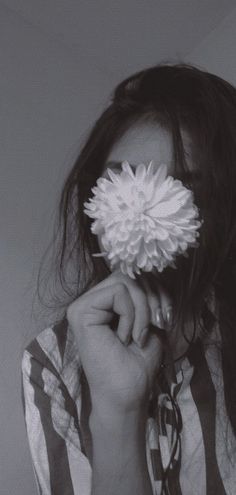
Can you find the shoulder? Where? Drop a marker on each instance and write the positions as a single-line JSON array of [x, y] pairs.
[[54, 354]]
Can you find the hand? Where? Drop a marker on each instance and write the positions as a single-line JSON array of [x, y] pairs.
[[119, 365]]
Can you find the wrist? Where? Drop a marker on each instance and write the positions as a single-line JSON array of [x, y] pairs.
[[106, 404], [119, 452], [109, 419], [106, 416]]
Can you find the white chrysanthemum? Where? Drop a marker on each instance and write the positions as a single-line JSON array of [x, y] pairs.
[[144, 218]]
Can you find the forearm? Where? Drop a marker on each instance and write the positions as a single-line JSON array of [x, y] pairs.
[[119, 454]]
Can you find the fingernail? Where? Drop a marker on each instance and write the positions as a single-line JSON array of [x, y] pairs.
[[142, 337], [169, 316], [159, 319], [127, 340]]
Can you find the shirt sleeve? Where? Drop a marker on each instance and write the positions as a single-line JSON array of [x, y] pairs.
[[51, 396]]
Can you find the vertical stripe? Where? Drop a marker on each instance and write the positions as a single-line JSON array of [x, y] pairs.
[[153, 456], [70, 406], [60, 330], [156, 484], [64, 425], [36, 438], [47, 340], [43, 361], [24, 397], [174, 479], [164, 444], [170, 426], [40, 492], [86, 407], [193, 470], [81, 473], [204, 395], [22, 388], [60, 479], [157, 469], [72, 367], [225, 438], [27, 425], [165, 450]]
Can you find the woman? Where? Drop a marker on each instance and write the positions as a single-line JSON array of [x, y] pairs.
[[134, 391]]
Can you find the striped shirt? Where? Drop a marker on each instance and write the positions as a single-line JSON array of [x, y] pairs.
[[202, 461]]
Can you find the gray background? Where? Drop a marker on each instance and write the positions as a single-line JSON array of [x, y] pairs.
[[59, 62]]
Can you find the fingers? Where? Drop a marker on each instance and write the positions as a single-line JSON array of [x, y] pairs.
[[117, 298], [160, 304], [123, 306], [154, 304], [134, 301], [152, 353], [141, 309], [94, 312], [166, 305]]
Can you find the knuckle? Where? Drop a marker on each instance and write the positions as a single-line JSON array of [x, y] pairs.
[[121, 288], [141, 295], [166, 301], [165, 297], [142, 304], [87, 321], [72, 311], [119, 276], [154, 301], [147, 313]]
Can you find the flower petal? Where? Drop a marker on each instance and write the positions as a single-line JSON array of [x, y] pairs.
[[166, 208], [127, 168], [114, 177], [160, 233], [145, 218], [140, 172], [161, 174]]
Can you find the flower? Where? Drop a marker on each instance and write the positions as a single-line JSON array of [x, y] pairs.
[[144, 218]]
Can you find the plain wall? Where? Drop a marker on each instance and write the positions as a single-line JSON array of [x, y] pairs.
[[48, 99], [217, 51]]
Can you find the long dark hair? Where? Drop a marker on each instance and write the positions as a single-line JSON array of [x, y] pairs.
[[179, 97]]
